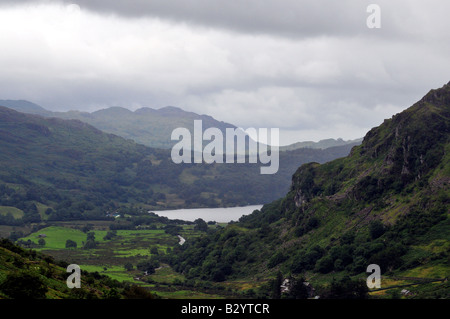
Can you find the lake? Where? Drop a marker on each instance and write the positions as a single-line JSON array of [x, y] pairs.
[[220, 215]]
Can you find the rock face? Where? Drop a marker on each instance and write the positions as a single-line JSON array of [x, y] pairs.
[[400, 151]]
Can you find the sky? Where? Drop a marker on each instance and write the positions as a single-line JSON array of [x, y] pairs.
[[313, 69]]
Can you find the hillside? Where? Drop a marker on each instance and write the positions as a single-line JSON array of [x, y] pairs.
[[386, 203], [66, 169], [27, 274], [52, 168]]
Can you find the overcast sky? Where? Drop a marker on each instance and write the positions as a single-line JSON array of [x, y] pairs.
[[311, 68]]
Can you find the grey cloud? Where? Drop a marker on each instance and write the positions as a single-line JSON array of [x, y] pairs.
[[310, 66], [291, 18]]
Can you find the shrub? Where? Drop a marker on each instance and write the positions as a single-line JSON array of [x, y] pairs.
[[71, 244], [23, 285]]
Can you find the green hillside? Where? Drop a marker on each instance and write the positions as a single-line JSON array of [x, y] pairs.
[[26, 274], [386, 203], [54, 169]]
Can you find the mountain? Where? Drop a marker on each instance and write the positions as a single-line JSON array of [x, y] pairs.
[[386, 203], [67, 168], [25, 107], [147, 126], [58, 169], [322, 144], [152, 127]]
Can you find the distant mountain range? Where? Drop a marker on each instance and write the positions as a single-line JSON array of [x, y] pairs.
[[151, 127], [322, 144], [146, 126], [58, 169]]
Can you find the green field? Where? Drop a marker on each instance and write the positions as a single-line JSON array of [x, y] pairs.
[[15, 212], [115, 272], [55, 237], [110, 256]]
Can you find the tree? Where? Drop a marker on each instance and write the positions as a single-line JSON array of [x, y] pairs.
[[221, 272], [23, 285], [276, 286], [128, 266], [90, 236], [325, 264], [41, 242], [276, 259], [346, 288], [200, 225], [71, 244], [110, 235], [137, 292], [31, 214], [90, 244], [112, 294], [148, 266], [90, 241], [298, 289], [376, 229]]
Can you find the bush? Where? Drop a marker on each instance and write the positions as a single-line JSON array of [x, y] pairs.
[[325, 265], [276, 259], [71, 244], [148, 266], [347, 289], [376, 229], [23, 285]]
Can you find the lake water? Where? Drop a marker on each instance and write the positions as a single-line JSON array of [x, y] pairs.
[[220, 215]]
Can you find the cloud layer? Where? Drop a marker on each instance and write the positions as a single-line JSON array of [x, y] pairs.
[[311, 68]]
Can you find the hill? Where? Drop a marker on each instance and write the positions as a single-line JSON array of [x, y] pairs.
[[322, 144], [153, 127], [25, 107], [147, 126], [386, 203], [27, 274], [66, 169]]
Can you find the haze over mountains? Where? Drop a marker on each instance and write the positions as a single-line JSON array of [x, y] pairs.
[[70, 169], [151, 127]]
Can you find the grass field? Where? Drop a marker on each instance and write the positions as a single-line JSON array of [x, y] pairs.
[[115, 272], [110, 256], [55, 237], [15, 212]]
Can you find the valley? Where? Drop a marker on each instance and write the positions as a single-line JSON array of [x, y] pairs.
[[83, 196]]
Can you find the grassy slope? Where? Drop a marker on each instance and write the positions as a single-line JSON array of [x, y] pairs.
[[53, 275]]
